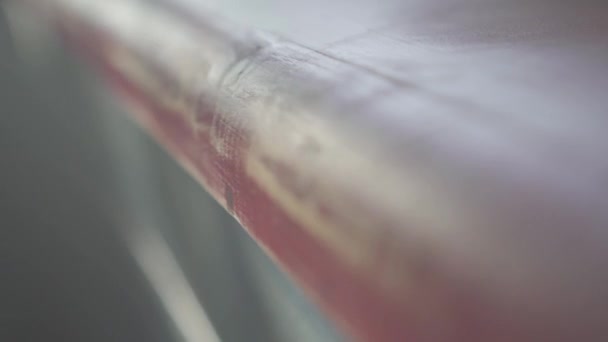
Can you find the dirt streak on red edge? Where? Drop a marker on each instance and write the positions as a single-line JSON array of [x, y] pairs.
[[349, 297]]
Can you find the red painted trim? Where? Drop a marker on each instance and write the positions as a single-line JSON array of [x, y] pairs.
[[350, 297], [377, 193]]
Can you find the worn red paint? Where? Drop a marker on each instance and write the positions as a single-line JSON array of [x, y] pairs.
[[481, 258], [350, 297]]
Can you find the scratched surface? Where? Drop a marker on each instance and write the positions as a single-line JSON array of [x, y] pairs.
[[425, 169]]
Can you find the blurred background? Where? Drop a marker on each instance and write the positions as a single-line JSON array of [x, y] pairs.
[[102, 236]]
